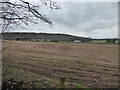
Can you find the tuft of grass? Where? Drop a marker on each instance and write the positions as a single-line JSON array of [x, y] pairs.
[[81, 87]]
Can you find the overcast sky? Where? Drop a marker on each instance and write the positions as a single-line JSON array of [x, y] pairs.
[[87, 19]]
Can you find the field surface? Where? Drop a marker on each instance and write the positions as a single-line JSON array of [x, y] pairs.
[[90, 65]]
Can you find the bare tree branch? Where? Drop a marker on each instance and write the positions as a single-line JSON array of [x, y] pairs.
[[22, 12]]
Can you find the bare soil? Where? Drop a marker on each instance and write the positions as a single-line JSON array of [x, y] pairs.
[[91, 65]]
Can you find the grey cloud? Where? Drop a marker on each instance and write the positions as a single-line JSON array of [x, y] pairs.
[[87, 19]]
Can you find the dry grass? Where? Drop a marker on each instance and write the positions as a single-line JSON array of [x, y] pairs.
[[91, 65]]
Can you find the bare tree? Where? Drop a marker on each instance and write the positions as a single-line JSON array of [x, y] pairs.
[[15, 14]]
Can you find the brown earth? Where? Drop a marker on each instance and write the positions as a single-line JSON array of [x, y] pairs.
[[91, 65]]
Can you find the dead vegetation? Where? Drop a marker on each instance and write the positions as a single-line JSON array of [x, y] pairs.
[[91, 65]]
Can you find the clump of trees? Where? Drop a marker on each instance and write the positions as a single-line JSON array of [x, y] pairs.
[[15, 14]]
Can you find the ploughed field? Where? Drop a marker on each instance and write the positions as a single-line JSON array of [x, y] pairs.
[[42, 64]]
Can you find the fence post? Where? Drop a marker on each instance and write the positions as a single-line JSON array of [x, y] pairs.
[[62, 83]]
